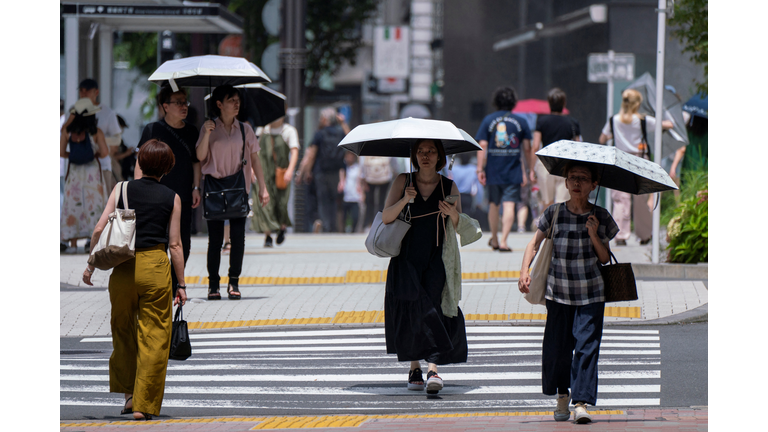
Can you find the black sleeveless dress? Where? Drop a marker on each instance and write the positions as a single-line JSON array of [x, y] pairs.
[[415, 327]]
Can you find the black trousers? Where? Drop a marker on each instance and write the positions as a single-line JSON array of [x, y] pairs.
[[328, 198], [374, 201], [215, 243], [185, 230], [570, 350]]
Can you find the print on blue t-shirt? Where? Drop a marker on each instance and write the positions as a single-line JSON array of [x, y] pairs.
[[504, 133]]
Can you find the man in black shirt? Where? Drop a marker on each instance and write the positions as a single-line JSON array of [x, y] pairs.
[[184, 178], [550, 128]]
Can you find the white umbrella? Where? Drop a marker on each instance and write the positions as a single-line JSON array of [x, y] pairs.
[[208, 71], [395, 138], [618, 170]]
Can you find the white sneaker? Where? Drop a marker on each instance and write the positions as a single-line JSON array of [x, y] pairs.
[[562, 413], [580, 413]]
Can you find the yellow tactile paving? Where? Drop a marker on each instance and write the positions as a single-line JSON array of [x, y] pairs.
[[306, 422], [352, 276], [370, 317]]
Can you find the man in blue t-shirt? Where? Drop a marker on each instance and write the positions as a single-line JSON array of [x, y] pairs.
[[501, 135]]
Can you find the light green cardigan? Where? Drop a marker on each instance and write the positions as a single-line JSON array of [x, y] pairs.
[[469, 231]]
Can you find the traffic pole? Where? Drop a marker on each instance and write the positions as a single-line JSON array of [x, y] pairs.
[[660, 43], [609, 109]]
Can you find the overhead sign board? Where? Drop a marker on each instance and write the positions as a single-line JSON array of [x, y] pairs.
[[601, 67], [391, 52]]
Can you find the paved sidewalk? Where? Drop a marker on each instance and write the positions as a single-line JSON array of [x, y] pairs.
[[330, 279], [660, 419]]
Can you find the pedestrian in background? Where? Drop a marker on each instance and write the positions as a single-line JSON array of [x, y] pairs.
[[628, 129], [416, 328], [501, 135], [220, 151], [376, 176], [140, 289], [350, 185], [184, 177], [106, 120], [321, 164], [575, 297], [279, 144], [82, 143], [550, 128]]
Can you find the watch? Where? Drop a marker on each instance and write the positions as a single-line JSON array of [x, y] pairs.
[[195, 188], [179, 286]]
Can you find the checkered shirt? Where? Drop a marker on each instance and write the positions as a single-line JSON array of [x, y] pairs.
[[574, 274]]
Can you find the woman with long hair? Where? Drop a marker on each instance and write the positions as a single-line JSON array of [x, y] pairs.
[[628, 130], [140, 289], [220, 149], [416, 328], [82, 144]]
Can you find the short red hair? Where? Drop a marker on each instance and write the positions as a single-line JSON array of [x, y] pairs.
[[156, 158]]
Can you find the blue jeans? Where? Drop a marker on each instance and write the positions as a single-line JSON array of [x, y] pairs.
[[570, 350]]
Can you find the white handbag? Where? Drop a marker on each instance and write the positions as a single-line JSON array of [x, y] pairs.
[[540, 268], [384, 240], [117, 242]]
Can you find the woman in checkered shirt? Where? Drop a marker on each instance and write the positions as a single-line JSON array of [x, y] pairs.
[[574, 298]]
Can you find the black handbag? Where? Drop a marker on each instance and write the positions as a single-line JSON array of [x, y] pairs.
[[618, 281], [226, 198], [181, 348]]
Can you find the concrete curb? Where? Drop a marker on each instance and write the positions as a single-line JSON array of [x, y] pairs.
[[700, 314], [671, 271]]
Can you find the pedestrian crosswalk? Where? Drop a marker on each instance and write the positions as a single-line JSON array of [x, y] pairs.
[[322, 371]]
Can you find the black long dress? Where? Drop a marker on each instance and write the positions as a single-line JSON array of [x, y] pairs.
[[415, 327]]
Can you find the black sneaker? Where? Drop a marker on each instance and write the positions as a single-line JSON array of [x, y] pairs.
[[415, 380], [280, 236], [268, 242], [434, 383]]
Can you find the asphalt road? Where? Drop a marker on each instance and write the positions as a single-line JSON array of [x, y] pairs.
[[320, 371]]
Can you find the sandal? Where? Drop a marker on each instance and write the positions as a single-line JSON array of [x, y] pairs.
[[144, 416], [127, 410], [213, 289], [226, 249], [280, 236], [415, 380], [232, 291], [494, 247]]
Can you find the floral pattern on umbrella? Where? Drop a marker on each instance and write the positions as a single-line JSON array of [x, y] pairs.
[[618, 170]]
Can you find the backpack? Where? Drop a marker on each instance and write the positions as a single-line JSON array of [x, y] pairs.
[[81, 153], [643, 146], [377, 170], [330, 156]]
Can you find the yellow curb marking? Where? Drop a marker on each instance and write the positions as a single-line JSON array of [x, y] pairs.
[[352, 276], [371, 317], [304, 422]]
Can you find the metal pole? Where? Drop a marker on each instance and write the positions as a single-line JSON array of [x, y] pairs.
[[609, 112], [660, 42], [72, 58]]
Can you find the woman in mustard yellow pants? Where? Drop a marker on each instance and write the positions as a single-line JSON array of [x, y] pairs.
[[140, 288]]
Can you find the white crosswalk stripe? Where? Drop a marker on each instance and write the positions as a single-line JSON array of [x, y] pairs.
[[324, 371]]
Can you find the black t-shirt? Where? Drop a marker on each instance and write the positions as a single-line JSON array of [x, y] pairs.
[[555, 127], [153, 204], [181, 177], [330, 157]]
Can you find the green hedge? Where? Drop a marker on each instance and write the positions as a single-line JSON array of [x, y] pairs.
[[688, 228]]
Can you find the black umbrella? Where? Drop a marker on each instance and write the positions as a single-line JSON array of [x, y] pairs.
[[261, 105]]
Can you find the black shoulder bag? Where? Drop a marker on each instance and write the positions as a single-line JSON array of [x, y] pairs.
[[226, 198], [181, 347]]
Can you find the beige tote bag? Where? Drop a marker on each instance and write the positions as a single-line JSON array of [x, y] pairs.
[[540, 268], [117, 242]]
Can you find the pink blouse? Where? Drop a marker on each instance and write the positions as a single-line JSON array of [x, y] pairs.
[[225, 151]]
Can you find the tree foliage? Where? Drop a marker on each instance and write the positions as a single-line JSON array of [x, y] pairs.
[[254, 33], [334, 34], [690, 18]]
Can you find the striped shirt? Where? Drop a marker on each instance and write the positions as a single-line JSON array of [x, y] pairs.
[[574, 274]]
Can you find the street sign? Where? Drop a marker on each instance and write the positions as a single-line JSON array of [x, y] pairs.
[[601, 67], [391, 52]]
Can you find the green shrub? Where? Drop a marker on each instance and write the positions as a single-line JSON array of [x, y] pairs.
[[688, 229]]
